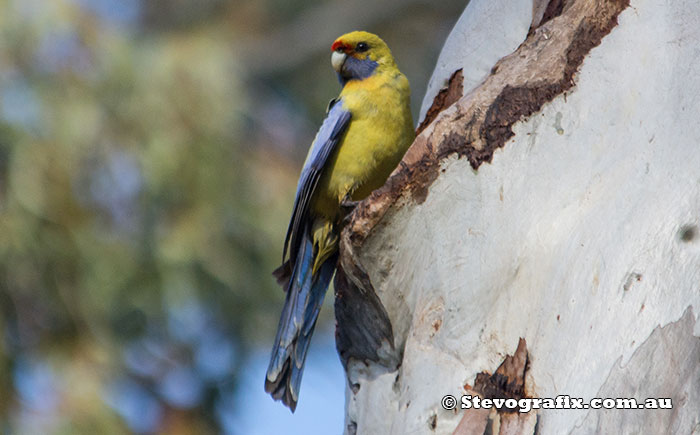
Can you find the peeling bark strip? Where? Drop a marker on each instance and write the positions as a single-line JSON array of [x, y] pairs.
[[444, 99], [482, 121], [664, 365], [363, 326], [509, 380], [511, 105]]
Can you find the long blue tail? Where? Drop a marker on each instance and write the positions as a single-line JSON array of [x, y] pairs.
[[305, 294]]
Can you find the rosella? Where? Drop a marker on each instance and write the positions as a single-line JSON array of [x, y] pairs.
[[364, 136]]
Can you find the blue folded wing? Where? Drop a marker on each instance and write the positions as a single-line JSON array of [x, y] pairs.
[[326, 141]]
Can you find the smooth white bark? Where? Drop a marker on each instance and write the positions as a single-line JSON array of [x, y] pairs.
[[581, 236]]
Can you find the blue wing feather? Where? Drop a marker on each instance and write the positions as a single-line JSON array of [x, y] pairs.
[[299, 315], [327, 138]]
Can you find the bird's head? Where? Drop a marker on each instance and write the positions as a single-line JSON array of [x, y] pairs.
[[356, 55]]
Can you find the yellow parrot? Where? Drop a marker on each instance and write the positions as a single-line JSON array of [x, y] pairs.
[[364, 136]]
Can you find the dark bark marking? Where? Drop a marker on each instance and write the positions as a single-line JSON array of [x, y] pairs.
[[432, 422], [444, 99], [511, 106], [553, 10], [426, 174], [687, 233], [509, 380]]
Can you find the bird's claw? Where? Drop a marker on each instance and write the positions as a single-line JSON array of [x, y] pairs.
[[347, 206]]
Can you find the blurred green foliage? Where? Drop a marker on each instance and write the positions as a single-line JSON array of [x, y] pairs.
[[148, 159]]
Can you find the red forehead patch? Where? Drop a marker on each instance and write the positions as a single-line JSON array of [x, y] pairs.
[[340, 45]]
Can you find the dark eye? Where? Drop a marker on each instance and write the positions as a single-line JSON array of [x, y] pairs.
[[361, 46]]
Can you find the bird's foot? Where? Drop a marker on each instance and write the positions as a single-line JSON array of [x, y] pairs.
[[347, 206]]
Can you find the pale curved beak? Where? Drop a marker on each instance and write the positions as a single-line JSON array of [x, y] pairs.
[[337, 60]]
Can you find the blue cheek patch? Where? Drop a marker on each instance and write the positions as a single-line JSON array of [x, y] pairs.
[[356, 69]]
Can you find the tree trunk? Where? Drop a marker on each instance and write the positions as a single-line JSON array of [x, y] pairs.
[[548, 210]]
